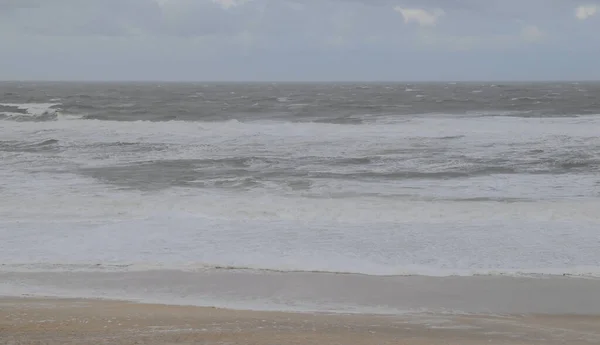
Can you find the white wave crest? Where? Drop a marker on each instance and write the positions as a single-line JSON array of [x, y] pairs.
[[30, 111], [25, 112]]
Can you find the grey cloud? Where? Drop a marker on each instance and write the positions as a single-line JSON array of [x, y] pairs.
[[274, 26], [69, 17], [294, 40], [193, 18], [199, 18], [123, 18], [280, 27], [14, 4]]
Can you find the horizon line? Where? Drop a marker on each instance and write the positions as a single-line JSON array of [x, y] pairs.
[[294, 81]]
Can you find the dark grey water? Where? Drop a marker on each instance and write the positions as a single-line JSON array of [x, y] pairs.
[[327, 103], [369, 178]]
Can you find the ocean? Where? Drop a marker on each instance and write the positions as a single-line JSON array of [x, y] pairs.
[[375, 179]]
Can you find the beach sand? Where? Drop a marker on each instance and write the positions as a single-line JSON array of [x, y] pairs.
[[47, 321]]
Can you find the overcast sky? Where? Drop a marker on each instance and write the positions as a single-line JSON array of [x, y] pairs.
[[304, 40]]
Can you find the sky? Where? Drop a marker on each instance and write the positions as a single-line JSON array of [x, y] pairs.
[[300, 40]]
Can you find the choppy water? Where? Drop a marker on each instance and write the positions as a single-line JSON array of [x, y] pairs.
[[383, 179]]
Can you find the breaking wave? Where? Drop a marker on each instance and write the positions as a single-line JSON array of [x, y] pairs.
[[34, 112]]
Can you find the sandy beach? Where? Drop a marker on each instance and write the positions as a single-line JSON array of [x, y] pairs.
[[78, 321]]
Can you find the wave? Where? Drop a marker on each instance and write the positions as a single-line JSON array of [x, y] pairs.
[[367, 114], [30, 108], [534, 114], [35, 112], [524, 99], [29, 111], [592, 272], [385, 124], [20, 146], [300, 173]]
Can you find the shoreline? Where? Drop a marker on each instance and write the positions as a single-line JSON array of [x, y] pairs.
[[579, 272], [221, 307], [54, 321], [316, 292]]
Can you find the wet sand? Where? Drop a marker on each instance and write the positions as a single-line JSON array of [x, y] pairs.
[[70, 321], [303, 291]]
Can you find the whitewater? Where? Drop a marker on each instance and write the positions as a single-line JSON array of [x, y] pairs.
[[442, 180]]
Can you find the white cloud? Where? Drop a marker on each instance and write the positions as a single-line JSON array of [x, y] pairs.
[[296, 6], [227, 4], [420, 16], [585, 11], [532, 33]]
